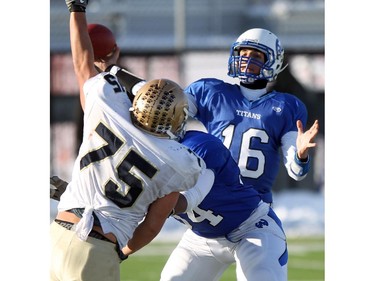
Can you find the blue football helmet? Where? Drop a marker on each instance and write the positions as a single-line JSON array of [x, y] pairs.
[[261, 40]]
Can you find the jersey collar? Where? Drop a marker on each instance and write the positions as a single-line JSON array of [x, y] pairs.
[[252, 95]]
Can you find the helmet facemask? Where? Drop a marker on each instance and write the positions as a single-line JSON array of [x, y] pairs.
[[160, 108]]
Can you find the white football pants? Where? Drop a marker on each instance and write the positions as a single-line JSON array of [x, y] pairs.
[[260, 253]]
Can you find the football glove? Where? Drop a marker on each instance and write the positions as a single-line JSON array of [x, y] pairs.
[[77, 5], [57, 187]]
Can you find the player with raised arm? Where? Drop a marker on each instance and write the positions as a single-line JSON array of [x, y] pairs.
[[219, 231], [127, 177], [252, 121]]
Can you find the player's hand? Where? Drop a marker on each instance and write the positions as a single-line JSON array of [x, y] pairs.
[[57, 187], [77, 5], [305, 140]]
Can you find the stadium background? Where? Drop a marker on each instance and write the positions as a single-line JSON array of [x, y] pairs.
[[184, 40]]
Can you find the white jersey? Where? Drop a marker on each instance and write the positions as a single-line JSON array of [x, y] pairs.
[[121, 170]]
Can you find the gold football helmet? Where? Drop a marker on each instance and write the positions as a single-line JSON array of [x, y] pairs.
[[160, 108]]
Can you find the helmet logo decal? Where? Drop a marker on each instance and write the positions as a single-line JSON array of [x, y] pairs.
[[279, 49]]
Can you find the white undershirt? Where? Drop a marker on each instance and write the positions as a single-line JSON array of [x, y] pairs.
[[251, 94]]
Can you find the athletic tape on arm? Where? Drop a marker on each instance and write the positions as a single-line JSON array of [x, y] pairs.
[[195, 195]]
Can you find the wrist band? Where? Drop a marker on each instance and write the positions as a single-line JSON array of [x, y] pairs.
[[300, 168]]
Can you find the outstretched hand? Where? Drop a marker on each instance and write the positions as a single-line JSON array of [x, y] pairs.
[[305, 140]]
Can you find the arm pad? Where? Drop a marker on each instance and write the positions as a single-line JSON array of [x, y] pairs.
[[126, 78], [195, 195]]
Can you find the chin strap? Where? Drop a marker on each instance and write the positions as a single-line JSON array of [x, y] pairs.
[[281, 70], [256, 85]]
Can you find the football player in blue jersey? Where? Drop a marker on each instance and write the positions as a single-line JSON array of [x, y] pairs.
[[252, 121], [231, 225]]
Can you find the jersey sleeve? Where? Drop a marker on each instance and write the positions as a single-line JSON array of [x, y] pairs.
[[215, 157], [296, 111], [194, 95], [199, 96]]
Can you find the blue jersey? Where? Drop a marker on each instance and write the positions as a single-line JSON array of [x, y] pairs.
[[229, 202], [252, 130]]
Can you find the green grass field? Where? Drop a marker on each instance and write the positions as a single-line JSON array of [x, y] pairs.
[[306, 261]]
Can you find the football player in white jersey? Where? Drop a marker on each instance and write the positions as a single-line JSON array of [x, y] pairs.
[[129, 170]]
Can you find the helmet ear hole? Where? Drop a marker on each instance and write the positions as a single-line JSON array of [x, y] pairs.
[[164, 111]]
